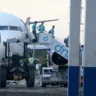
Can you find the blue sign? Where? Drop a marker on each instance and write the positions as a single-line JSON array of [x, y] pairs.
[[45, 38], [60, 49]]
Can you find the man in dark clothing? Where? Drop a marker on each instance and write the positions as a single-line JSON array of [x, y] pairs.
[[66, 41], [34, 31]]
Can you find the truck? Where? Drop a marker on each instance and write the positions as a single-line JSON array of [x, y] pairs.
[[51, 76]]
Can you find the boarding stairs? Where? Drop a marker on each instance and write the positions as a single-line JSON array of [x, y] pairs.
[[53, 43]]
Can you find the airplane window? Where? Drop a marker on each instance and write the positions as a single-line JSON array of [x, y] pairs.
[[13, 28], [3, 27], [20, 29]]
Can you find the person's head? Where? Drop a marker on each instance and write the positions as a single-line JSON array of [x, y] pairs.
[[42, 23], [53, 26], [82, 46], [35, 22]]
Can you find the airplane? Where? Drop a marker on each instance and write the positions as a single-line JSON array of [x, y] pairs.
[[13, 45]]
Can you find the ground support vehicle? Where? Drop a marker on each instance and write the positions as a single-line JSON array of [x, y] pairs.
[[51, 76], [15, 66]]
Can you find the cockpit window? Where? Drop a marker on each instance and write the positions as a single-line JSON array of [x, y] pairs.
[[3, 27], [13, 28], [20, 29]]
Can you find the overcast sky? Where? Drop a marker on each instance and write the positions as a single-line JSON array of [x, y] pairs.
[[42, 10]]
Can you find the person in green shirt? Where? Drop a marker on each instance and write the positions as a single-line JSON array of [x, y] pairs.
[[31, 59]]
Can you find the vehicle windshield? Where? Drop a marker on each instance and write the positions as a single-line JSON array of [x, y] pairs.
[[46, 71]]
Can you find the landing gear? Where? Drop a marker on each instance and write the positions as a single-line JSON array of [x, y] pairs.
[[3, 77]]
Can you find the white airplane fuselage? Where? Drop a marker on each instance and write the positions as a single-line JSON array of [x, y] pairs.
[[11, 27]]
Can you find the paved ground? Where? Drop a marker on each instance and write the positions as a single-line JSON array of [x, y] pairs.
[[22, 90], [36, 91]]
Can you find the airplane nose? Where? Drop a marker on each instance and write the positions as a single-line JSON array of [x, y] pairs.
[[9, 35]]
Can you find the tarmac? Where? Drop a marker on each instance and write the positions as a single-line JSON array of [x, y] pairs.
[[20, 89], [36, 91]]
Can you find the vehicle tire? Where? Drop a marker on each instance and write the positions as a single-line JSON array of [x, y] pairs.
[[81, 84], [3, 77], [43, 85], [65, 84], [31, 78]]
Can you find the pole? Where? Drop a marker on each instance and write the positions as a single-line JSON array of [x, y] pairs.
[[33, 50], [74, 48], [89, 88]]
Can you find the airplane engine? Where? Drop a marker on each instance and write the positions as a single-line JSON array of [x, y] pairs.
[[56, 59]]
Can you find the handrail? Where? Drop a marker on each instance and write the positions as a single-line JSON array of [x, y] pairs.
[[59, 39], [55, 37]]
